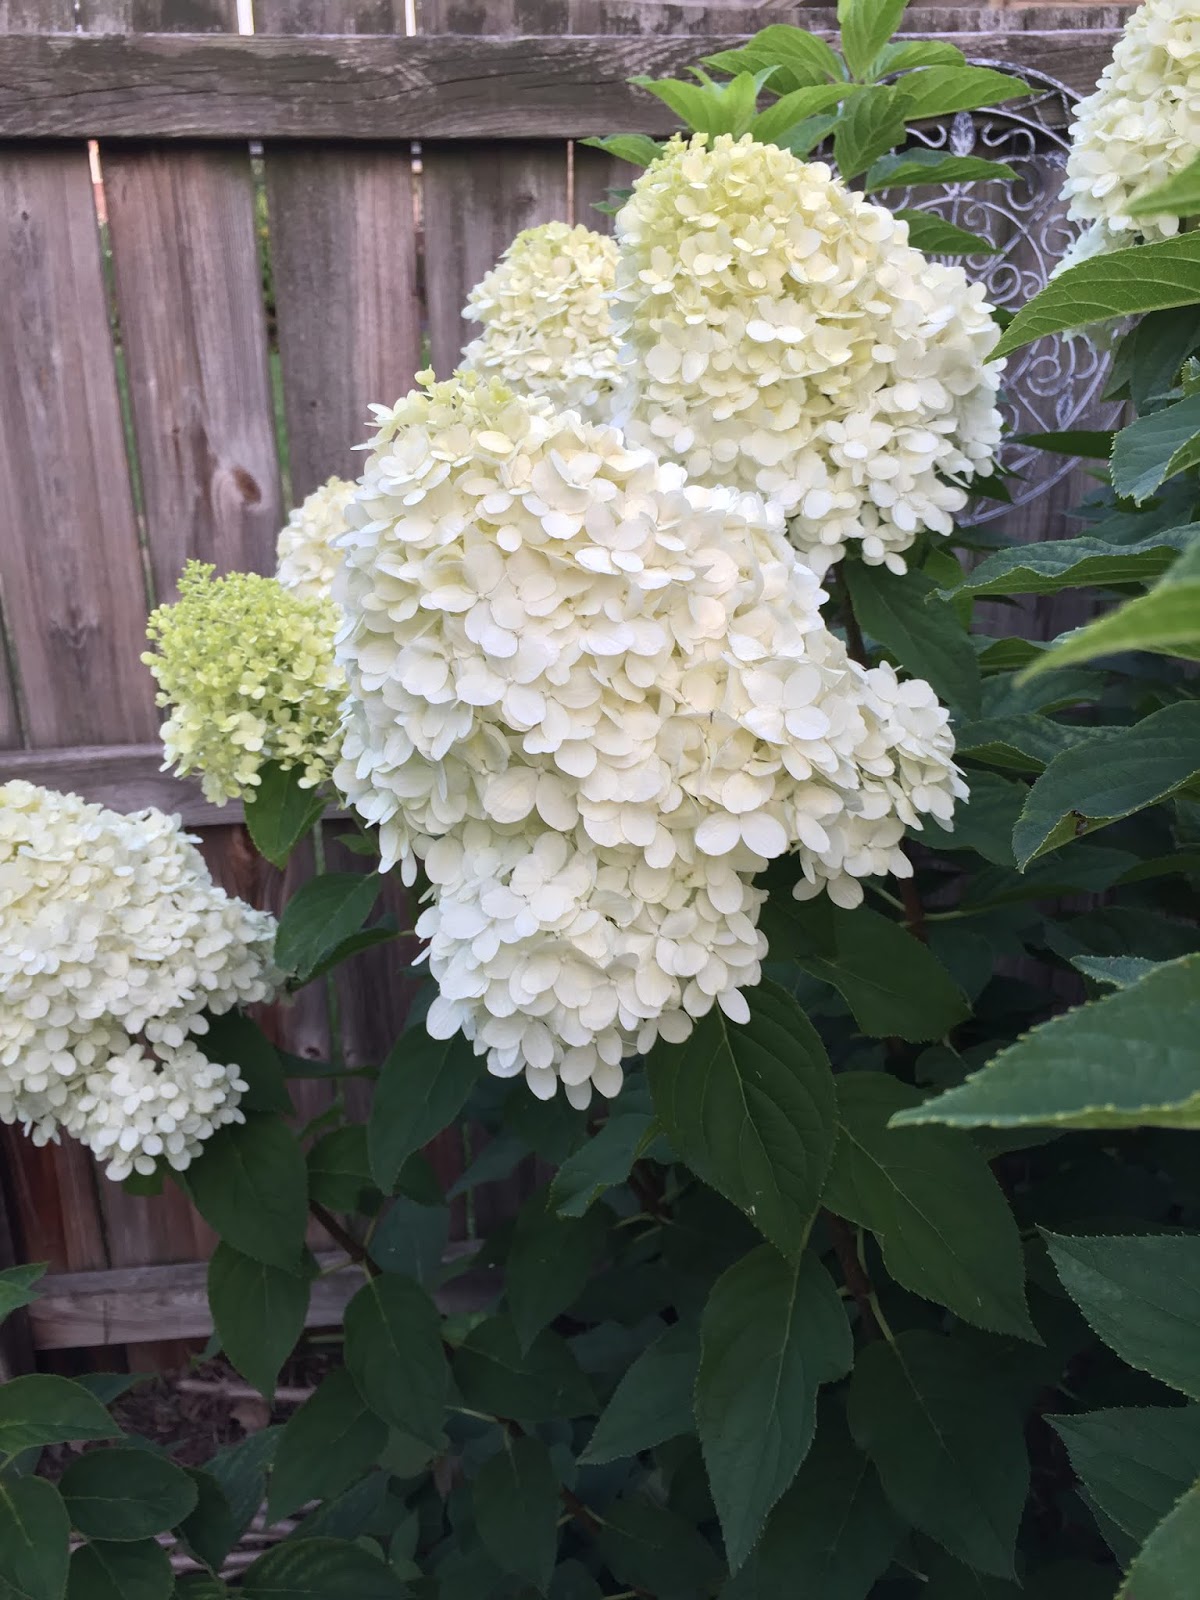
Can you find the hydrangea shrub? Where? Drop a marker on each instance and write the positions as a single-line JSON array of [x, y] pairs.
[[833, 950]]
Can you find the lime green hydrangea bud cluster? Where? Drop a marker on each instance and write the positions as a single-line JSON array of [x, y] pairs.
[[247, 668]]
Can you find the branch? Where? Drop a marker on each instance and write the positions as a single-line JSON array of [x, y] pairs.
[[342, 1236], [859, 1285]]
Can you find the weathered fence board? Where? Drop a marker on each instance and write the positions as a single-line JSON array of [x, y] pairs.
[[435, 86]]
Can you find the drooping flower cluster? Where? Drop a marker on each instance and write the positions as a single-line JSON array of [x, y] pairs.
[[1139, 128], [247, 668], [113, 941], [596, 700], [307, 559], [780, 334], [547, 326]]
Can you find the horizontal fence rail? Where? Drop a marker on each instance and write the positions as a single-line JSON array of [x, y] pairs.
[[439, 87]]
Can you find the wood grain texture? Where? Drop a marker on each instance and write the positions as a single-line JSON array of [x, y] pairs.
[[170, 1302], [344, 263], [70, 568], [186, 269], [124, 777], [436, 86], [329, 16]]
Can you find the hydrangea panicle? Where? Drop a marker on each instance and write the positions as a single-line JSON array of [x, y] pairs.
[[304, 550], [596, 699], [1140, 127], [780, 334], [113, 942], [547, 326], [248, 671]]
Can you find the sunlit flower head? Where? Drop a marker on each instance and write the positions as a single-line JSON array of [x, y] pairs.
[[113, 942], [547, 327], [596, 700], [306, 558], [1139, 128], [780, 334], [247, 670]]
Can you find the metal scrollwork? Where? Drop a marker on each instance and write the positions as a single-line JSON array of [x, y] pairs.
[[1055, 384]]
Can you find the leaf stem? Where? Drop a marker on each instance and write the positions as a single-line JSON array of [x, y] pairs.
[[342, 1236]]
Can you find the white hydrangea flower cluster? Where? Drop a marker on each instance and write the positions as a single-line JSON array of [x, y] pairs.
[[547, 326], [779, 334], [597, 699], [113, 940], [306, 557], [1139, 128]]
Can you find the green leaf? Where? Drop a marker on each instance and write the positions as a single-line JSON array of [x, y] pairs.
[[323, 913], [871, 123], [515, 1498], [1023, 743], [325, 1446], [411, 1239], [648, 1547], [34, 1535], [913, 168], [833, 1533], [1156, 447], [538, 1385], [937, 237], [1166, 1567], [339, 1170], [772, 1332], [796, 58], [636, 148], [1166, 621], [866, 26], [199, 1586], [548, 1263], [1148, 277], [1108, 778], [1120, 971], [653, 1401], [240, 1471], [1141, 1296], [124, 1495], [751, 1109], [279, 812], [423, 1085], [892, 983], [982, 823], [777, 121], [394, 1354], [945, 1434], [928, 1195], [939, 91], [320, 1569], [209, 1531], [43, 1409], [103, 1571], [250, 1184], [1136, 1462], [1179, 196], [904, 54], [602, 1163], [1068, 564], [1123, 1061], [1090, 444], [918, 630], [706, 106], [234, 1038], [17, 1287], [259, 1312]]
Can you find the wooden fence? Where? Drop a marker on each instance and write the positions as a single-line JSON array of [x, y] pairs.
[[275, 253]]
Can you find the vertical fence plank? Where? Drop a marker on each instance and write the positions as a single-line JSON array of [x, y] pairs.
[[193, 328], [343, 243], [71, 576], [478, 196]]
